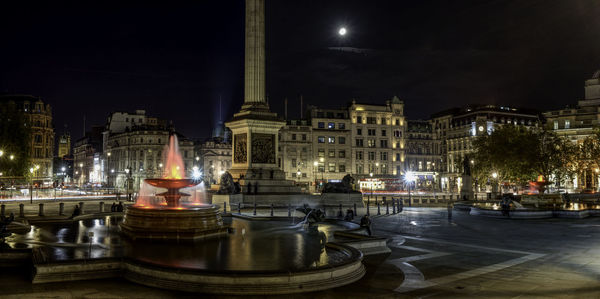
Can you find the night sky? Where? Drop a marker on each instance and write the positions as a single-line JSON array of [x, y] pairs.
[[175, 59]]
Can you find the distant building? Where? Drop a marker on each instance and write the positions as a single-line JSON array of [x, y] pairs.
[[87, 162], [39, 116], [457, 128], [296, 154], [64, 145], [577, 123], [422, 155], [213, 158], [133, 147]]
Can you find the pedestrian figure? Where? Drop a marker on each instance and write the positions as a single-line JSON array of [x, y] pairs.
[[249, 188], [365, 222], [113, 207], [400, 205], [120, 207], [256, 188], [450, 207], [349, 215], [76, 212]]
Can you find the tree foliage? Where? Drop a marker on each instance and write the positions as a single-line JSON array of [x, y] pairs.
[[518, 155], [15, 139]]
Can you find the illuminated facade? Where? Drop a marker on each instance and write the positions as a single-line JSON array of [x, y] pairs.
[[577, 123], [423, 157], [213, 158], [296, 154], [39, 116], [456, 129]]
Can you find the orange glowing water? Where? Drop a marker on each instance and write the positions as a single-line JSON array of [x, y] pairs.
[[174, 168]]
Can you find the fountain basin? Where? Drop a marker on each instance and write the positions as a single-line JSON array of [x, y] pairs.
[[173, 223]]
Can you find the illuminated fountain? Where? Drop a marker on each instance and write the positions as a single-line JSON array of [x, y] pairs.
[[171, 219]]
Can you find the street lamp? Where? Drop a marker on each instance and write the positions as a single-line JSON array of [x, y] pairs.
[[371, 194], [12, 157], [409, 177], [31, 186], [315, 164], [1, 153]]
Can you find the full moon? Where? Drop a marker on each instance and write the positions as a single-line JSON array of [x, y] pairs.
[[342, 31]]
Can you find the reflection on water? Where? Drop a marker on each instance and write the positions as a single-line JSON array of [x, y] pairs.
[[253, 245]]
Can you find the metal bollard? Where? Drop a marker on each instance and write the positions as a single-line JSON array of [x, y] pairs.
[[224, 207], [378, 209], [81, 207], [387, 208], [340, 213], [324, 211], [355, 209], [240, 208], [3, 210], [61, 209], [271, 210], [41, 210], [289, 210], [21, 210], [101, 207], [254, 209], [393, 206]]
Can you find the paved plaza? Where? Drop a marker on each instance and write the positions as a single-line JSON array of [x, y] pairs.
[[431, 256]]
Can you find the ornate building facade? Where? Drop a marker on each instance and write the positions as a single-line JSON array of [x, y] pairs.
[[577, 123], [39, 117], [456, 129], [422, 155]]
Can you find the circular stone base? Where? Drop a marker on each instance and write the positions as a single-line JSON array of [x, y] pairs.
[[193, 223], [328, 276]]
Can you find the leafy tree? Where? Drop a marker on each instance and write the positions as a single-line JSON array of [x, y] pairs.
[[15, 139]]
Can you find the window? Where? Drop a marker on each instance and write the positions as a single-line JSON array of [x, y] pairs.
[[331, 140], [38, 138], [321, 167], [567, 124], [383, 143], [331, 126], [384, 169], [359, 143], [342, 140], [294, 163], [342, 154], [420, 165], [384, 121], [293, 174], [321, 153], [397, 133], [303, 137], [556, 125], [321, 139], [331, 167], [359, 155], [383, 132], [331, 153], [342, 168], [397, 122], [371, 142], [372, 120], [372, 132], [359, 168], [397, 144], [304, 150], [359, 119], [359, 131], [293, 136], [397, 157], [371, 156], [320, 114], [341, 126], [304, 174], [321, 125], [384, 156]]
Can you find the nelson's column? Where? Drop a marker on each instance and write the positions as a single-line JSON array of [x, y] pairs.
[[255, 128]]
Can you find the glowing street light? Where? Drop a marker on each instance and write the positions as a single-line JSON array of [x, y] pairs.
[[1, 153], [342, 31], [409, 177], [12, 157], [495, 175], [62, 169]]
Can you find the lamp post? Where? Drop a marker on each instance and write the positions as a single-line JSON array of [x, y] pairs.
[[371, 194], [31, 185], [315, 165], [409, 177]]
